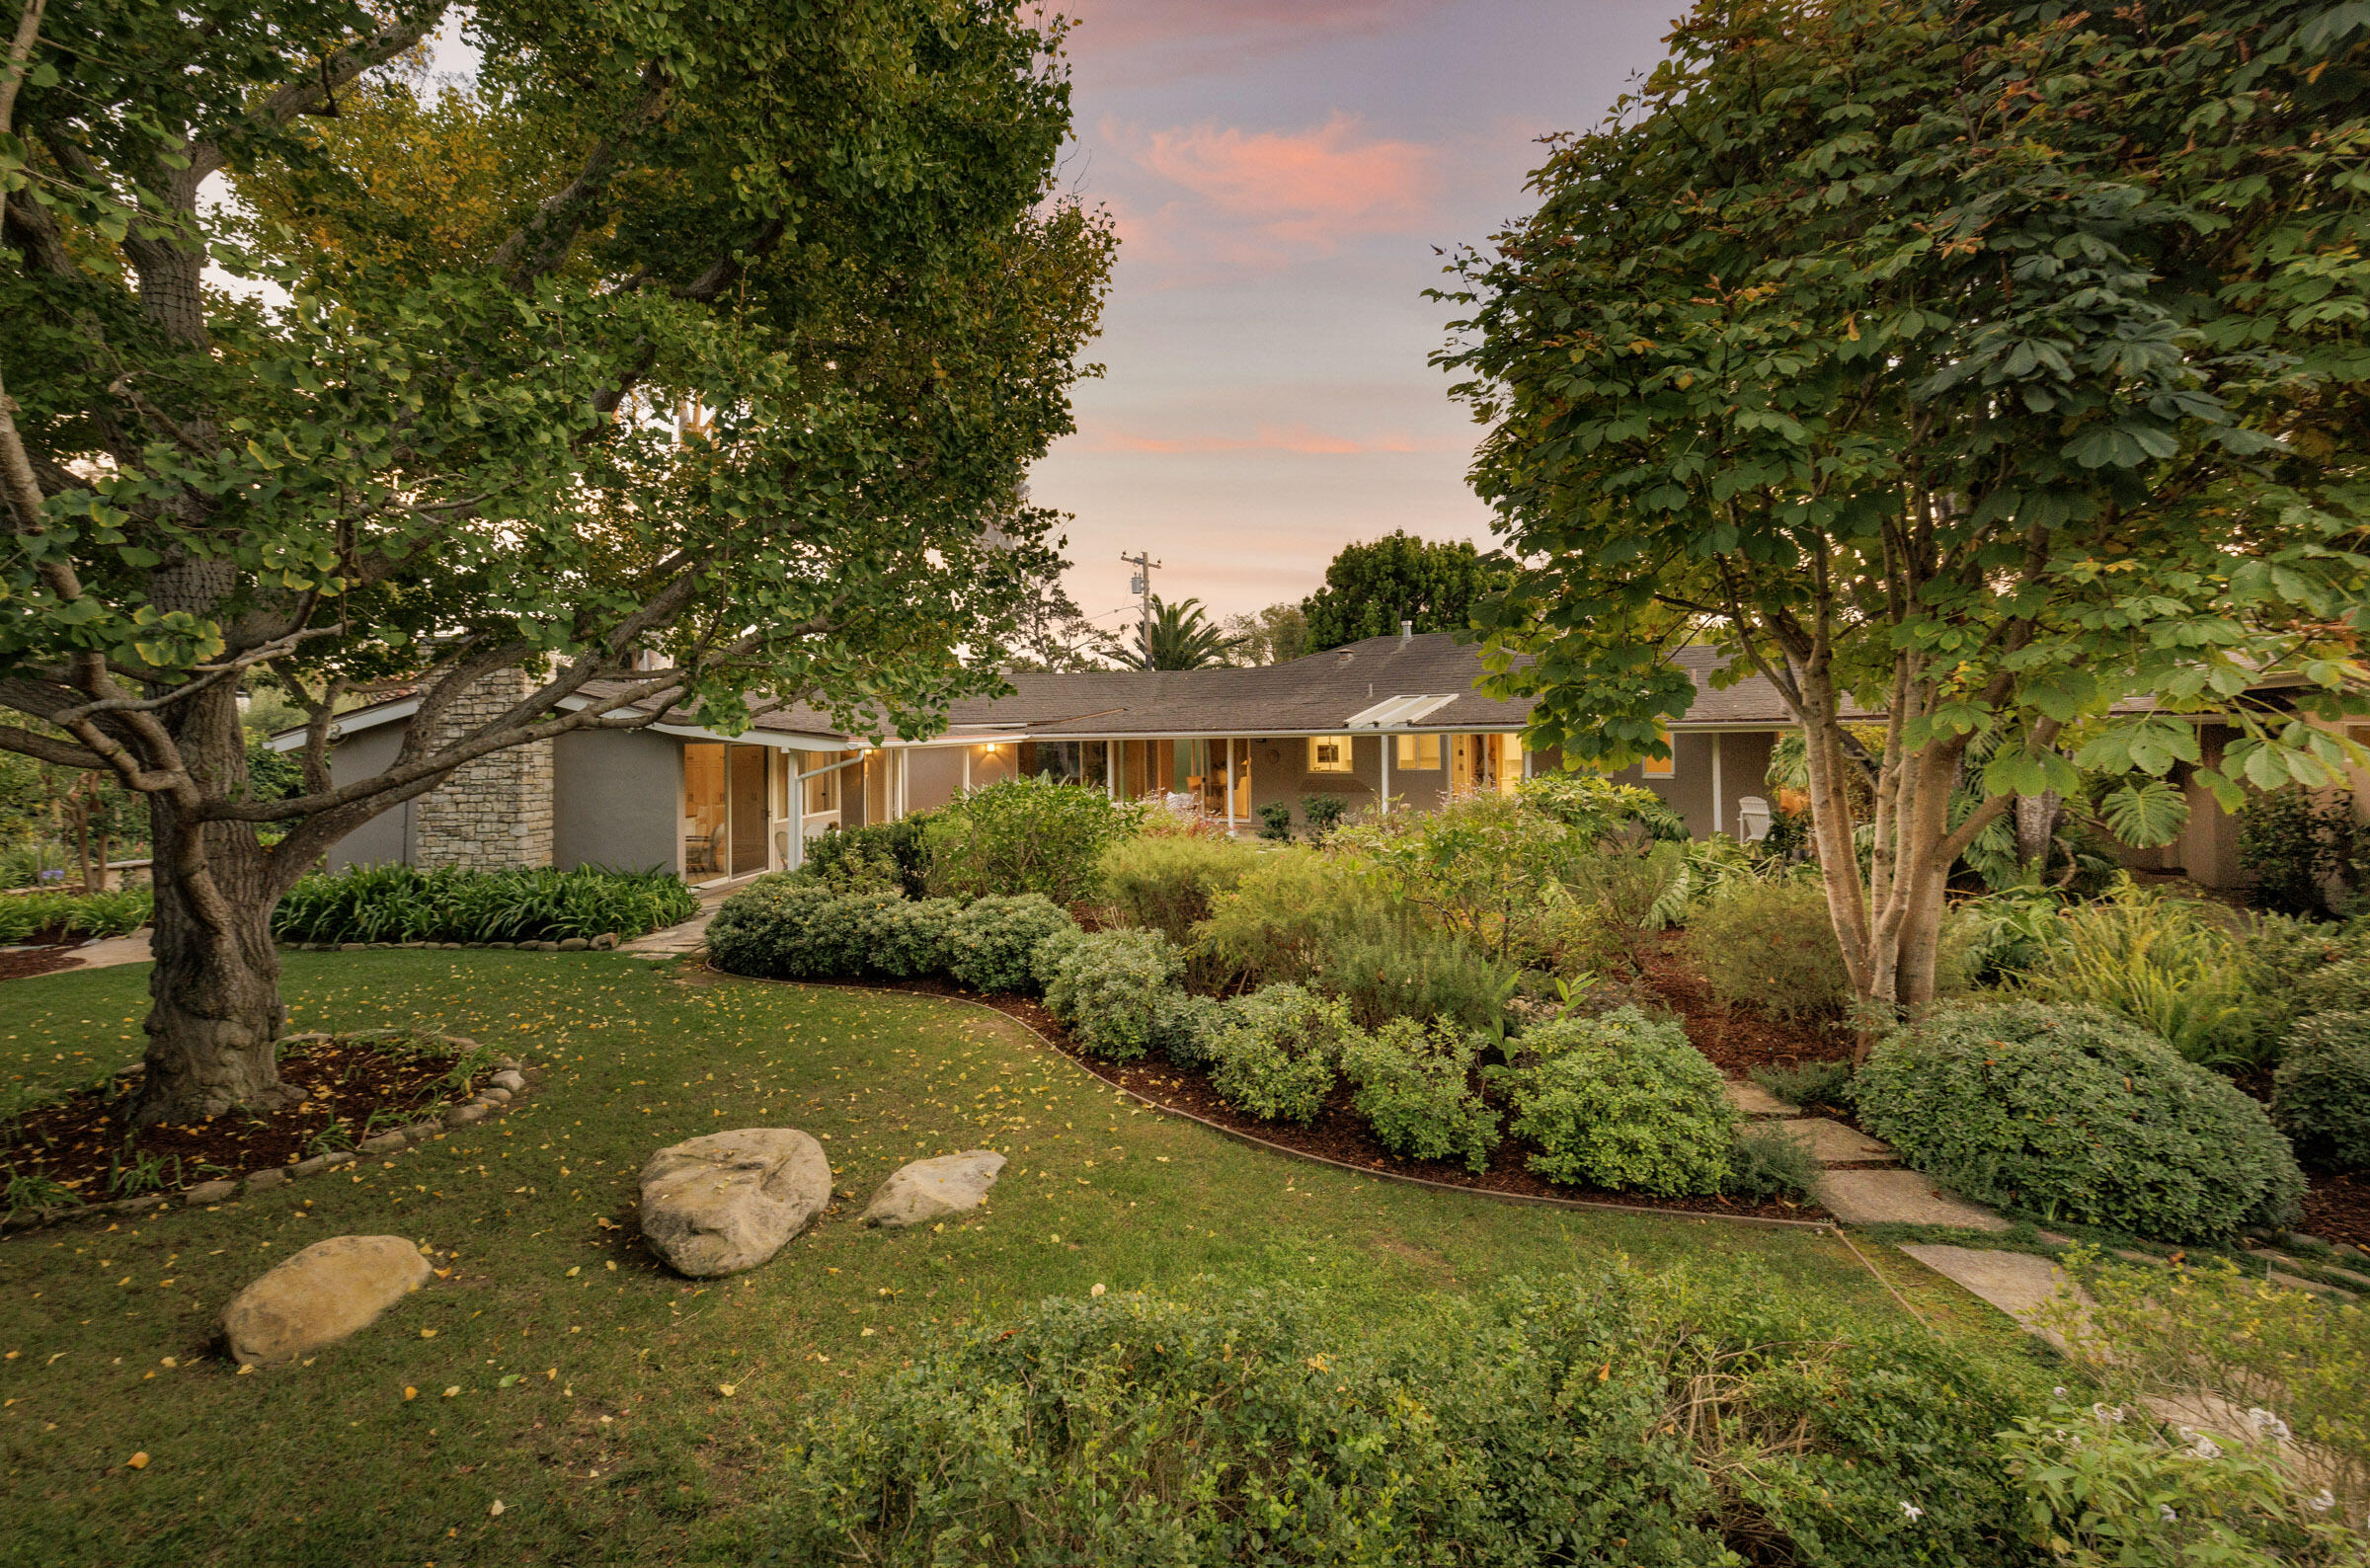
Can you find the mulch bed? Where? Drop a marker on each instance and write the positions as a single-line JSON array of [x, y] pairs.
[[44, 960], [1337, 1134], [78, 1143], [2338, 1211], [1737, 1041]]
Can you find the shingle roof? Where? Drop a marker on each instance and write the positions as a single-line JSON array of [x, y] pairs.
[[1318, 694]]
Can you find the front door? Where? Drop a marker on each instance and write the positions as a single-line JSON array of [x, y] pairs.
[[749, 816]]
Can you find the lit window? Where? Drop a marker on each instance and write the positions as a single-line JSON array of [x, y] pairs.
[[1659, 766], [1418, 754], [1328, 754]]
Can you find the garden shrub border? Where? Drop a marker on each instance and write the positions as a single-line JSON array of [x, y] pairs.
[[1088, 1066], [226, 1189]]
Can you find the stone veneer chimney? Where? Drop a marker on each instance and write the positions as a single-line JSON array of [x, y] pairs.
[[495, 813]]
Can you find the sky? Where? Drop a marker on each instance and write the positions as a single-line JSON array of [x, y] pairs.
[[1280, 173]]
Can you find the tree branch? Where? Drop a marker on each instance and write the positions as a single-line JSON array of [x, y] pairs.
[[338, 71]]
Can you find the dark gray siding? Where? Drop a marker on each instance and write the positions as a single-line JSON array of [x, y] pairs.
[[387, 837], [617, 799]]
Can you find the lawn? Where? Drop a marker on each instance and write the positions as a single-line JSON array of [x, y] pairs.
[[611, 1411]]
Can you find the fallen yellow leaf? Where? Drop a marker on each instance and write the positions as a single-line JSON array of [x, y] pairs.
[[409, 1392], [139, 1461]]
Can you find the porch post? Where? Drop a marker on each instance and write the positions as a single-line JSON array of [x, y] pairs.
[[1229, 783], [1111, 768], [797, 856], [1382, 740], [967, 770], [1718, 807]]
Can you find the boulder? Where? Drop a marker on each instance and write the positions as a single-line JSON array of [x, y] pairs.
[[574, 944], [730, 1200], [330, 1289], [931, 1189]]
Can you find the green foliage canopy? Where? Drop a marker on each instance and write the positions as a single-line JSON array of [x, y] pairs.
[[1371, 588]]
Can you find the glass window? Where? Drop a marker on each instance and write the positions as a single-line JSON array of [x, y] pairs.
[[1660, 766], [1418, 754], [1084, 762], [1328, 754]]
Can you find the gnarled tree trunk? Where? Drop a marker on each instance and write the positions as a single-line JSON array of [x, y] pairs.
[[215, 1013]]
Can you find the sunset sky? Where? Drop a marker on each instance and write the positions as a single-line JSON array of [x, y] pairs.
[[1281, 172]]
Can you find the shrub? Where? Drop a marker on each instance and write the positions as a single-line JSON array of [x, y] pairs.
[[1597, 806], [1321, 814], [1770, 944], [398, 903], [64, 915], [2209, 1337], [1025, 835], [786, 927], [2305, 857], [1167, 883], [1486, 867], [1622, 1101], [2321, 1094], [1826, 1083], [1275, 823], [1184, 1024], [2170, 965], [992, 945], [1764, 1162], [867, 859], [1106, 987], [1532, 1425], [1276, 1053], [1409, 972], [2073, 1113], [2002, 935], [1289, 913], [1415, 1087]]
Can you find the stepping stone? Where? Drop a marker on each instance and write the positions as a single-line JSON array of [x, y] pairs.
[[1898, 1197], [2016, 1282], [1832, 1143], [1754, 1100]]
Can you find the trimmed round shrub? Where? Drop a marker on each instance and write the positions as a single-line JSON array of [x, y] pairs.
[[1276, 1052], [1415, 1088], [1106, 987], [2321, 1095], [992, 945], [2072, 1112], [1623, 1102], [1184, 1024], [788, 927]]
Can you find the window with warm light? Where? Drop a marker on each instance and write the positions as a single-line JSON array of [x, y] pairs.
[[1660, 766], [1328, 754], [1418, 754]]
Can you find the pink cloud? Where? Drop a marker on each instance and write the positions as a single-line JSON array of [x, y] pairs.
[[1294, 192], [1295, 438]]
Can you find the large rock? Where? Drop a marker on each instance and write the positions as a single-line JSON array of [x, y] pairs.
[[730, 1200], [931, 1189], [330, 1289]]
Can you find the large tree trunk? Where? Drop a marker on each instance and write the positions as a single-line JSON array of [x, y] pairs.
[[2036, 828], [216, 1011]]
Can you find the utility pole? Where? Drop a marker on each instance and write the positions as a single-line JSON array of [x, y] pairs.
[[1140, 584]]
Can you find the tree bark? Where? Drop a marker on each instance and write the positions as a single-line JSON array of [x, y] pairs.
[[215, 1011], [2036, 828]]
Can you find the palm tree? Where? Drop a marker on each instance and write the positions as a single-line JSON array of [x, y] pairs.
[[1180, 637]]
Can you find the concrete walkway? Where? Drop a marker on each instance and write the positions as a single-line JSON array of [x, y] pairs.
[[691, 935], [1860, 1183]]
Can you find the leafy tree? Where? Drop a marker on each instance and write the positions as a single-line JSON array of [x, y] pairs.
[[713, 341], [1180, 637], [1997, 369], [1371, 588], [1275, 635], [1055, 634]]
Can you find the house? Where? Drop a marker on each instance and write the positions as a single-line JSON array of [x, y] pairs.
[[1394, 717]]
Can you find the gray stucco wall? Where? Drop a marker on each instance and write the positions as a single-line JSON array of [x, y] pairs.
[[617, 801], [388, 836]]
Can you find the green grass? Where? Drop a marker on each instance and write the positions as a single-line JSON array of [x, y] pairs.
[[614, 1442]]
